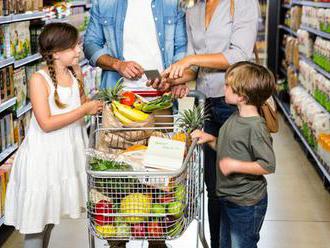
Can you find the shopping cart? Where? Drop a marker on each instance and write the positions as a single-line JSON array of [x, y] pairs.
[[138, 203]]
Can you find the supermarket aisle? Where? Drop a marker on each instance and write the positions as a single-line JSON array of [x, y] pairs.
[[298, 214]]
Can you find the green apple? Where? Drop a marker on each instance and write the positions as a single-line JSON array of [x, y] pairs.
[[158, 209], [180, 193], [175, 209]]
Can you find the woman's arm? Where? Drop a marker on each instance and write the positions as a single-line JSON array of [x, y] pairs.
[[39, 98]]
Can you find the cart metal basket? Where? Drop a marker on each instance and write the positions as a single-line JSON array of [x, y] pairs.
[[137, 202]]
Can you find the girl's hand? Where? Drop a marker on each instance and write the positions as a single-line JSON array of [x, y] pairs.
[[176, 70], [202, 137], [180, 91], [227, 166], [93, 107]]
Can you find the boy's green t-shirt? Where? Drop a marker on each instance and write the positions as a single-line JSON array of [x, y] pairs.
[[244, 139]]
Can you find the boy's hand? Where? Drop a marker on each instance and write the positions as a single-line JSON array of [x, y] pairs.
[[202, 137], [227, 166]]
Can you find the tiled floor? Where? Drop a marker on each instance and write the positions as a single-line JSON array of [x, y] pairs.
[[298, 215]]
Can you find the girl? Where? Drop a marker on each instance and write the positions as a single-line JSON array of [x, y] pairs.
[[48, 176]]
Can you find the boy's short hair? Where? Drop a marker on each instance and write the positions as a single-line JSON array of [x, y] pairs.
[[254, 82]]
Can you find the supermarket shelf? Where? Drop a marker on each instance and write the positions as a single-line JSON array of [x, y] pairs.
[[21, 17], [6, 62], [315, 66], [83, 62], [77, 3], [27, 60], [55, 20], [7, 104], [286, 110], [286, 6], [7, 152], [24, 110], [316, 32], [287, 29], [312, 4]]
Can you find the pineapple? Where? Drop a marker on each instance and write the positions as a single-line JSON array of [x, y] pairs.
[[111, 94], [190, 120]]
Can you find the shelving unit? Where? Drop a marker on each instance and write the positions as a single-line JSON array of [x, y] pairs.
[[315, 66], [316, 32], [7, 104], [274, 63], [21, 17], [311, 3], [2, 220], [286, 111], [24, 110], [7, 152], [6, 62], [83, 62], [27, 60]]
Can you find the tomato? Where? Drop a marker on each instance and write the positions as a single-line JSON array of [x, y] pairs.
[[138, 230], [155, 229], [127, 98], [103, 208]]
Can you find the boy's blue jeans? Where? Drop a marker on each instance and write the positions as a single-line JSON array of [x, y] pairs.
[[219, 112], [240, 225]]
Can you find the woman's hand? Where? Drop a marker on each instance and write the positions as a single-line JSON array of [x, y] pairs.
[[93, 107], [180, 91], [176, 70]]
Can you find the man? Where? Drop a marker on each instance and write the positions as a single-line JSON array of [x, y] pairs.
[[126, 37]]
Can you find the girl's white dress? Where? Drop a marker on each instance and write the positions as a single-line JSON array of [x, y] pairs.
[[48, 178]]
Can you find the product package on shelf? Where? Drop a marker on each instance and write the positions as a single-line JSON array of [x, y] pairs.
[[321, 53], [6, 83], [317, 18], [35, 30], [4, 41], [316, 84], [21, 126], [20, 40], [5, 170], [292, 51], [6, 131], [20, 85], [312, 119], [305, 43]]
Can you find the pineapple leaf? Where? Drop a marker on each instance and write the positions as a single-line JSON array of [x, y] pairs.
[[111, 94], [192, 119]]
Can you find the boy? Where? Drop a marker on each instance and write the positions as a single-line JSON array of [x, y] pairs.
[[244, 155]]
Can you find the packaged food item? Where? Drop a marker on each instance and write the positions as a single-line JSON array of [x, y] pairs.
[[20, 40]]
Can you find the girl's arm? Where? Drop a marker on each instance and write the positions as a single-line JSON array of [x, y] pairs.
[[39, 98]]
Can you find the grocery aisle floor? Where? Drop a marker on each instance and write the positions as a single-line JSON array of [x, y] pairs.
[[298, 215]]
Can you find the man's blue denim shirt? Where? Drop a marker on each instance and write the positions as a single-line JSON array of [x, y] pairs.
[[104, 33]]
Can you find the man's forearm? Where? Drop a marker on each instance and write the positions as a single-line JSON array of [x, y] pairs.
[[252, 168], [106, 62]]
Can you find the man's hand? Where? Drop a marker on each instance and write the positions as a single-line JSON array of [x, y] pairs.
[[129, 69], [228, 166]]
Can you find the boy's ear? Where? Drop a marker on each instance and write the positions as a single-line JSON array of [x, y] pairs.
[[242, 99]]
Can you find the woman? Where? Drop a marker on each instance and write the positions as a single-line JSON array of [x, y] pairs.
[[220, 33]]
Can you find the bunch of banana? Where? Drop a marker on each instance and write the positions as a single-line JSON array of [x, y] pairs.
[[126, 114], [164, 102]]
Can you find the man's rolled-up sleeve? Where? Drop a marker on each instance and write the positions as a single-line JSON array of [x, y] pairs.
[[180, 39]]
